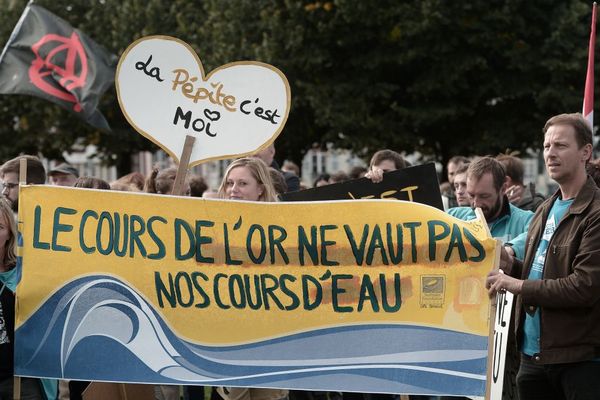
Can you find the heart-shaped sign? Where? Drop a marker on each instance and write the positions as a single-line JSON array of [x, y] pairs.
[[237, 109]]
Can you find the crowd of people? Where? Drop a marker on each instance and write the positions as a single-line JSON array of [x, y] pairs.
[[551, 257]]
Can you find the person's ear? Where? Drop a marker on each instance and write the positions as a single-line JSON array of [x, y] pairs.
[[506, 184], [587, 152]]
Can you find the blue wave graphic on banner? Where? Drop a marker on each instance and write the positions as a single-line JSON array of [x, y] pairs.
[[98, 328]]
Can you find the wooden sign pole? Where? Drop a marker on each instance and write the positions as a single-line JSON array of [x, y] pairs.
[[22, 181], [17, 388], [184, 161], [123, 391]]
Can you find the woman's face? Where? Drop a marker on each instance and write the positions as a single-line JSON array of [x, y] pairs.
[[4, 232], [241, 185]]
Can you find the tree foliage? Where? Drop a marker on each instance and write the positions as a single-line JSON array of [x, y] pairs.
[[440, 77]]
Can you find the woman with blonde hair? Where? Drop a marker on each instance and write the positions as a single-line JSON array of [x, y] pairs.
[[247, 179], [9, 277]]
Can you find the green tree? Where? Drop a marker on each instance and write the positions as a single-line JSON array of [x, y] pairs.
[[440, 77]]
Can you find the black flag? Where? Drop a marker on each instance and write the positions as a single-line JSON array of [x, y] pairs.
[[46, 57]]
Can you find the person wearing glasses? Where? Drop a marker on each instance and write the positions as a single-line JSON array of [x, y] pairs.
[[9, 177]]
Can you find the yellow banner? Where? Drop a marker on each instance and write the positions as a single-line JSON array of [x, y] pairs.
[[290, 267]]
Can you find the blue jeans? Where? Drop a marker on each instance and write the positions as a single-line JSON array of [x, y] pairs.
[[573, 381]]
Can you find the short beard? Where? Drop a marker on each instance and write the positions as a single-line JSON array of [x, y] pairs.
[[493, 213]]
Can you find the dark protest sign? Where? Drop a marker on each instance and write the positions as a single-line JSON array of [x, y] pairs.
[[419, 184]]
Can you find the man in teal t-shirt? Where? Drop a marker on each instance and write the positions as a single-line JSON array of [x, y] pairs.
[[531, 329], [557, 312]]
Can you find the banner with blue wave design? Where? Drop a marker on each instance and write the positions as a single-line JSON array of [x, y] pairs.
[[370, 296]]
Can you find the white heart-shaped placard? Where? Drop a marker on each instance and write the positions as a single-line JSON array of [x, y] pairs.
[[235, 110]]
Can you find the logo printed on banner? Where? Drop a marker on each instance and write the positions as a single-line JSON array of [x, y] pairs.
[[59, 57], [432, 291]]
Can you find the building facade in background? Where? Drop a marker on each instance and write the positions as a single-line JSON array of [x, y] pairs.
[[316, 161]]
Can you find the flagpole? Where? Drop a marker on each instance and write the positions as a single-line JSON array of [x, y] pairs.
[[588, 97], [15, 31]]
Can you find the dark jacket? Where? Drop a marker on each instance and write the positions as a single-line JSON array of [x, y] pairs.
[[291, 180], [569, 292], [7, 331]]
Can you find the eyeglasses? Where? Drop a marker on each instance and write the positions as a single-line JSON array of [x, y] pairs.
[[8, 186]]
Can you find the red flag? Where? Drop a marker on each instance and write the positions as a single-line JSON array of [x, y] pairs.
[[588, 97]]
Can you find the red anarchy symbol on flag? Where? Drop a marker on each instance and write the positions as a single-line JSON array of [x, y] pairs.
[[59, 57]]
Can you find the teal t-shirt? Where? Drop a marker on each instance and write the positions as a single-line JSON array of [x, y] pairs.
[[531, 328], [10, 279]]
